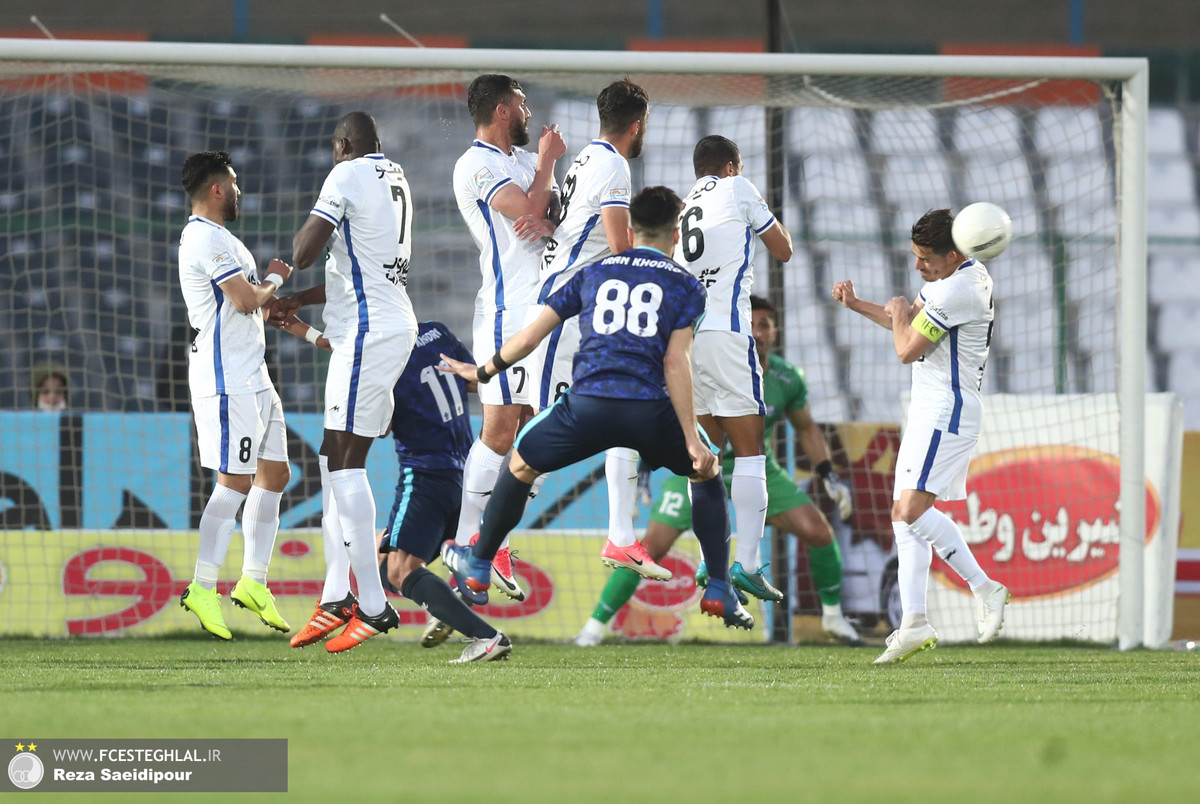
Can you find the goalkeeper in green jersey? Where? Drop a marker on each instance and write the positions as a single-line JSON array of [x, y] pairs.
[[788, 507]]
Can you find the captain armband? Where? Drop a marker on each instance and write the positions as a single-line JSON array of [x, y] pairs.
[[926, 326]]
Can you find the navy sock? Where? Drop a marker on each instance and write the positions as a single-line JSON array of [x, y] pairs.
[[710, 522], [425, 588], [502, 513]]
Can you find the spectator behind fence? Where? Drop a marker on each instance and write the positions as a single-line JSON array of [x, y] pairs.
[[48, 385]]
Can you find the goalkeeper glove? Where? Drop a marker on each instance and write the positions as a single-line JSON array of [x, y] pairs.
[[838, 491]]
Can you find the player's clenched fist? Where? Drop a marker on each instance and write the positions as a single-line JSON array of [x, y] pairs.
[[551, 143], [844, 292]]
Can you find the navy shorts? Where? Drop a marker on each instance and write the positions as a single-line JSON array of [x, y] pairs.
[[424, 514], [576, 427]]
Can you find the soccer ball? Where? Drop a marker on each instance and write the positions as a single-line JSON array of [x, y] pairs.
[[982, 230]]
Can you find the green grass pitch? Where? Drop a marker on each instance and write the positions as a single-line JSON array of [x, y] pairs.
[[390, 721]]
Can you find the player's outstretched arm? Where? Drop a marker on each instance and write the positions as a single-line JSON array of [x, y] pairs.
[[285, 307], [677, 371], [301, 329], [812, 440], [843, 292], [515, 348], [245, 297]]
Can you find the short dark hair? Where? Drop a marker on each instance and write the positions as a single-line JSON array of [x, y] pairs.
[[654, 211], [712, 153], [932, 231], [200, 169], [486, 93], [360, 129], [762, 303], [620, 104]]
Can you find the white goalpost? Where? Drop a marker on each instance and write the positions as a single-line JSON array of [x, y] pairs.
[[98, 503]]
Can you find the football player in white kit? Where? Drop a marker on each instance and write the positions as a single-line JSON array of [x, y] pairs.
[[239, 419], [364, 211], [595, 224], [722, 219], [946, 332], [496, 182]]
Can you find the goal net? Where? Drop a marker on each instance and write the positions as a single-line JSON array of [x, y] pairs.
[[99, 503]]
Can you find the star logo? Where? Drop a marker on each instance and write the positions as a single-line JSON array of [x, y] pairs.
[[32, 747], [20, 747]]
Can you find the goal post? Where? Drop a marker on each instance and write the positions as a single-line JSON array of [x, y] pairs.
[[903, 133]]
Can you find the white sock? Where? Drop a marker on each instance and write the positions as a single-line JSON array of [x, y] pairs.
[[914, 555], [260, 524], [620, 470], [356, 513], [337, 559], [594, 627], [748, 493], [216, 530], [480, 472], [831, 610], [940, 531]]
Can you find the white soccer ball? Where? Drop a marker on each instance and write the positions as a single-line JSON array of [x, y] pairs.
[[982, 230]]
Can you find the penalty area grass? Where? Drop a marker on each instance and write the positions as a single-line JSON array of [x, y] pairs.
[[391, 721]]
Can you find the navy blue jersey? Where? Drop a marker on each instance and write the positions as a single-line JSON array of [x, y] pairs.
[[432, 425], [628, 306]]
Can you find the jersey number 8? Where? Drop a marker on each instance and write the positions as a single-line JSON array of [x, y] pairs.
[[618, 307]]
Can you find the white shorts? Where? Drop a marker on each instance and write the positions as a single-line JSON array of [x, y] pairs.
[[363, 371], [935, 461], [235, 432], [551, 362], [726, 373], [489, 332]]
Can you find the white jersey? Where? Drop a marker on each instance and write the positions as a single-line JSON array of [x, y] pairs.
[[719, 229], [227, 353], [509, 265], [597, 179], [370, 205], [947, 378]]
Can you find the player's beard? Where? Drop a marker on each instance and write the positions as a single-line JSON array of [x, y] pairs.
[[635, 145], [519, 132], [231, 207]]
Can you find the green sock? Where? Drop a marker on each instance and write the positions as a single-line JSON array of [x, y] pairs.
[[826, 565], [620, 587]]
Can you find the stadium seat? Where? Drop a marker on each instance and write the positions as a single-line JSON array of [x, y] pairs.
[[1174, 275], [868, 266], [845, 222], [1023, 273], [1178, 327], [1170, 180], [1063, 131], [905, 131], [838, 176], [1165, 132], [1024, 325], [994, 130], [1173, 223], [820, 129], [1079, 178], [999, 178], [920, 180]]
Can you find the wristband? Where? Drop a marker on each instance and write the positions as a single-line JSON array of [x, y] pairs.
[[274, 279], [481, 374], [499, 362], [312, 334], [824, 469]]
